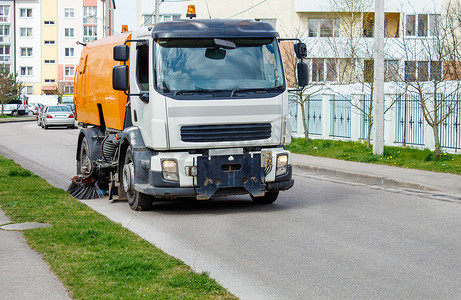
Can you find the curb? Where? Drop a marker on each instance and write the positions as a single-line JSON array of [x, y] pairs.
[[362, 178], [16, 120]]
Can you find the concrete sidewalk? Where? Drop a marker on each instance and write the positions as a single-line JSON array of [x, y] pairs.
[[23, 273], [381, 175]]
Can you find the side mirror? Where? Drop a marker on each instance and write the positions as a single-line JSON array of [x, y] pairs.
[[303, 74], [300, 50], [121, 53], [120, 78]]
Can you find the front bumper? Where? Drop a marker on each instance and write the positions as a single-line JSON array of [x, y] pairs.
[[225, 174]]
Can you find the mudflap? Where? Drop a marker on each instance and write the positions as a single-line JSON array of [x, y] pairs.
[[233, 171]]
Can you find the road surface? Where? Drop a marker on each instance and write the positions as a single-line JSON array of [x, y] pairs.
[[320, 240]]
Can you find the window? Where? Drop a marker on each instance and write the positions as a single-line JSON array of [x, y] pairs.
[[4, 13], [317, 69], [4, 33], [391, 70], [436, 70], [26, 71], [368, 24], [434, 25], [25, 32], [90, 33], [422, 25], [410, 71], [68, 89], [25, 52], [411, 25], [50, 42], [69, 71], [69, 52], [331, 69], [50, 61], [25, 12], [423, 70], [28, 90], [68, 12], [49, 22], [50, 80], [368, 70], [142, 69], [90, 15], [323, 27], [69, 32], [4, 53]]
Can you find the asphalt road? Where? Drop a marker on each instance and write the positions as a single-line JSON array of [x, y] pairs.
[[320, 240]]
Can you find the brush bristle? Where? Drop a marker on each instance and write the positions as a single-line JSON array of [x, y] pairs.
[[83, 189]]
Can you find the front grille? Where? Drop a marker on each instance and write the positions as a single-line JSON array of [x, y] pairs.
[[225, 133]]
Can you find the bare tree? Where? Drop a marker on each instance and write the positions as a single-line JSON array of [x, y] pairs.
[[301, 95], [432, 68], [356, 53]]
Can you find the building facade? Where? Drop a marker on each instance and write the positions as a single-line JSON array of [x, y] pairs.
[[46, 37]]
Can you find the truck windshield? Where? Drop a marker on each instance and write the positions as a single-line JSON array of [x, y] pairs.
[[202, 65]]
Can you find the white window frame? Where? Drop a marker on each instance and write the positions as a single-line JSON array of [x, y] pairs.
[[28, 32], [69, 71], [69, 52], [69, 32], [69, 13], [24, 13], [28, 71], [27, 51]]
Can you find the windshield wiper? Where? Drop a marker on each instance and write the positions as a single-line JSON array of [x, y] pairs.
[[253, 90]]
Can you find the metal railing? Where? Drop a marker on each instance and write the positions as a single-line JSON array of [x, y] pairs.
[[340, 116], [314, 114], [449, 130], [410, 120]]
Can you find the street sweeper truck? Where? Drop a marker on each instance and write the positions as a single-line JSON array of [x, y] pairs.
[[184, 109]]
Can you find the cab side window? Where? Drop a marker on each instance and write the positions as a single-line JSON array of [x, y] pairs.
[[142, 67]]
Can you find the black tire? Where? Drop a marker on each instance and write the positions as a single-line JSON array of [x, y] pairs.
[[268, 198], [137, 201], [84, 165], [45, 126]]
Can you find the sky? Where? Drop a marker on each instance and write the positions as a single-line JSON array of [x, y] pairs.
[[125, 14]]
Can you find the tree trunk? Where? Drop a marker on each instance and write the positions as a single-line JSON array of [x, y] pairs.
[[435, 129], [369, 133], [306, 130]]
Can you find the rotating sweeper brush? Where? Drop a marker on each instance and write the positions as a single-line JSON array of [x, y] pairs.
[[84, 188]]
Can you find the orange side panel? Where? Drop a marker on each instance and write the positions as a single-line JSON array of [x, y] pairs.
[[93, 84]]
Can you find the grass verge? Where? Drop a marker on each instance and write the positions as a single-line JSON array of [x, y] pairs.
[[394, 156], [94, 257]]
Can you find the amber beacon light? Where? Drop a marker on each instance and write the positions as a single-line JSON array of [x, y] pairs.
[[191, 12]]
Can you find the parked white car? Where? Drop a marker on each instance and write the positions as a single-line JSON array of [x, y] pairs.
[[58, 115]]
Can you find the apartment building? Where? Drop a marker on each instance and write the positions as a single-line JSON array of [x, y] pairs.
[[46, 36], [6, 33]]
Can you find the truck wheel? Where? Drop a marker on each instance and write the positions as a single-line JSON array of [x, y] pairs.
[[136, 200], [84, 166], [268, 198]]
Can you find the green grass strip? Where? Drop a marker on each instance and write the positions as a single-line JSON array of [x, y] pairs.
[[404, 157], [94, 257]]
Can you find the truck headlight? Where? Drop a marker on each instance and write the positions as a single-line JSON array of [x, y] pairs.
[[282, 164], [170, 169]]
